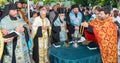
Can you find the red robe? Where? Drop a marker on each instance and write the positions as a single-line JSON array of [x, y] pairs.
[[106, 36], [89, 36]]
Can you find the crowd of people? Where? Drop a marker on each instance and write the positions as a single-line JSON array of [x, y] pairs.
[[21, 37]]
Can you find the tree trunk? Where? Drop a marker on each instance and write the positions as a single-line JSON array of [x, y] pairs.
[[118, 4]]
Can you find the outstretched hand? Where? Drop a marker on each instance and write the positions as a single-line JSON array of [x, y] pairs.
[[20, 29], [84, 24], [8, 39]]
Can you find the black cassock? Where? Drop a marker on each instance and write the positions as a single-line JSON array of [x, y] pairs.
[[35, 42]]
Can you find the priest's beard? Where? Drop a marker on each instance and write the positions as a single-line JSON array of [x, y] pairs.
[[102, 17], [62, 18], [19, 8]]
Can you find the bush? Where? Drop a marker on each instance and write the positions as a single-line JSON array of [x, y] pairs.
[[2, 3]]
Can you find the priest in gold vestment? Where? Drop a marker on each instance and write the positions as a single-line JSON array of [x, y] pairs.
[[40, 33]]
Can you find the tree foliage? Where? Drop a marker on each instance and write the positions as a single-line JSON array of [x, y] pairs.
[[2, 2], [97, 2]]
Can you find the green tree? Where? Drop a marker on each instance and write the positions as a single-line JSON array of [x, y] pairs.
[[98, 2], [2, 2], [118, 3], [87, 2]]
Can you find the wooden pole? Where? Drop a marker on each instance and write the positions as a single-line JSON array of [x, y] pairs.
[[28, 9]]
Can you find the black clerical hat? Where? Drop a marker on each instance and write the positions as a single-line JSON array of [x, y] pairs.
[[7, 8], [61, 10], [12, 6], [74, 6]]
